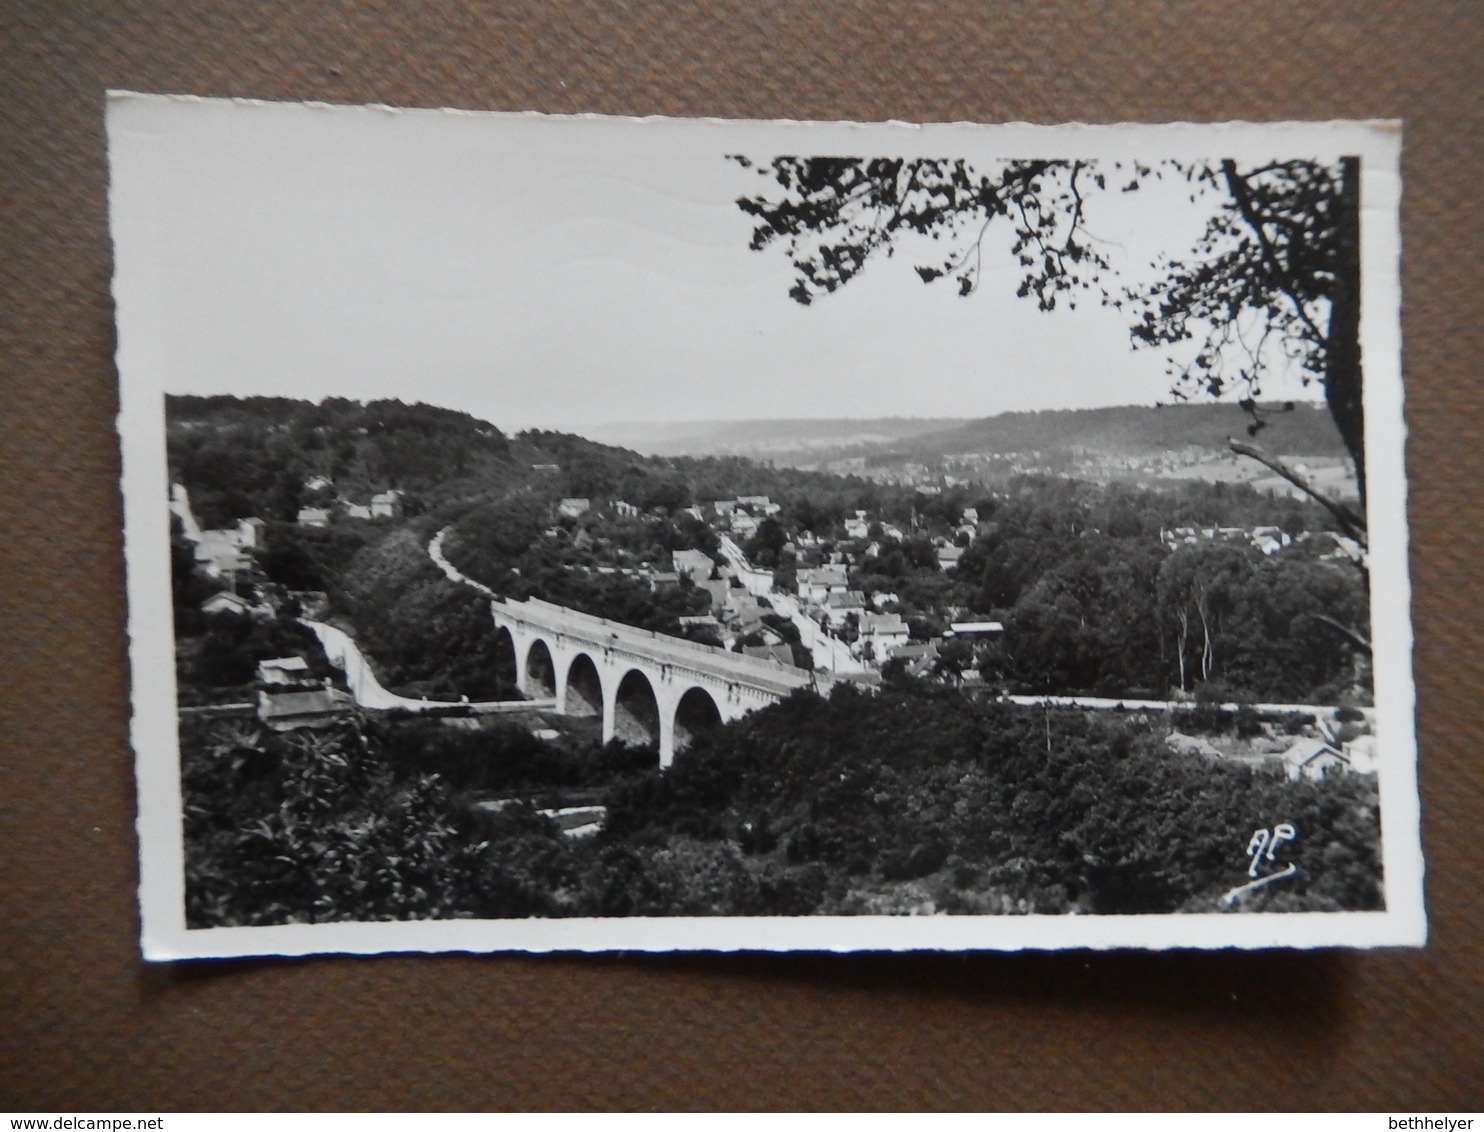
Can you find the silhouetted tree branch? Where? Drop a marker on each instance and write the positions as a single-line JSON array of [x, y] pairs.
[[1273, 279]]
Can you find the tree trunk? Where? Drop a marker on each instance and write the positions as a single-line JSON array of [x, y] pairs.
[[1184, 636], [1208, 654], [1342, 379]]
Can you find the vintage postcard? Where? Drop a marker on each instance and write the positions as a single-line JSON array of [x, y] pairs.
[[581, 533]]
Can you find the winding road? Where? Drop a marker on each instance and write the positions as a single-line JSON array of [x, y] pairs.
[[341, 650]]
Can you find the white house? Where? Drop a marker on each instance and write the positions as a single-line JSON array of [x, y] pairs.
[[845, 601], [1313, 759], [252, 534], [225, 602], [885, 630], [284, 670], [816, 585], [386, 505], [976, 628], [697, 563]]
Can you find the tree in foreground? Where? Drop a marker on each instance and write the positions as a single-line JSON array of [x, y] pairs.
[[1274, 278]]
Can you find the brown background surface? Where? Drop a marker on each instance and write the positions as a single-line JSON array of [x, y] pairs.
[[84, 1024]]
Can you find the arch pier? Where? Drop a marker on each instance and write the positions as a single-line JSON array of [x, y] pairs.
[[648, 687]]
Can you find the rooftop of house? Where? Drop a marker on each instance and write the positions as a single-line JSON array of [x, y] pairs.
[[285, 664], [976, 628], [235, 600], [298, 705], [779, 653], [824, 575], [1306, 750], [915, 651]]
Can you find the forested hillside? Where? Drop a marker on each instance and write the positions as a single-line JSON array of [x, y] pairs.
[[1299, 429], [1093, 600], [910, 802], [936, 794], [260, 456], [1302, 430]]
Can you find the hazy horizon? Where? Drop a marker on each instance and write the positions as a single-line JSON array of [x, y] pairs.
[[581, 273]]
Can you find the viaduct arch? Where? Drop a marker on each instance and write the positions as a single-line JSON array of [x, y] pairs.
[[646, 686]]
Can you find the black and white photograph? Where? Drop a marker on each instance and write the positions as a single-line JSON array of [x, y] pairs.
[[590, 533]]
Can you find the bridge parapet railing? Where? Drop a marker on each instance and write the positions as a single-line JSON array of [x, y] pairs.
[[717, 661]]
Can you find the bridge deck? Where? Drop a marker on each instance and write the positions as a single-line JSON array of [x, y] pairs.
[[657, 647]]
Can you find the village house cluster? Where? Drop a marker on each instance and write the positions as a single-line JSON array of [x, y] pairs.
[[229, 557], [840, 629], [854, 635], [381, 505], [836, 625]]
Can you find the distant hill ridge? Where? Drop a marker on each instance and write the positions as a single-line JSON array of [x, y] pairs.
[[1306, 429], [693, 438]]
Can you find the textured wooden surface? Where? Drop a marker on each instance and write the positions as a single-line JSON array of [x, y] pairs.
[[86, 1025]]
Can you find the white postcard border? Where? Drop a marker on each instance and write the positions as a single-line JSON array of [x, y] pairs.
[[139, 129]]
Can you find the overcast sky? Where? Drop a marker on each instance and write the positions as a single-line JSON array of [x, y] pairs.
[[566, 273]]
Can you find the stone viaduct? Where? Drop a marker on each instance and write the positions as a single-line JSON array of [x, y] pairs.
[[646, 686]]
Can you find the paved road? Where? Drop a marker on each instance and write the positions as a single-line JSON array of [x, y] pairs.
[[1103, 703], [341, 649], [435, 552]]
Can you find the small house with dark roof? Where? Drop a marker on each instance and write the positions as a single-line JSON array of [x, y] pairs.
[[918, 656]]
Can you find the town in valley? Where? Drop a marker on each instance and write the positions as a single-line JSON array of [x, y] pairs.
[[1067, 662]]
